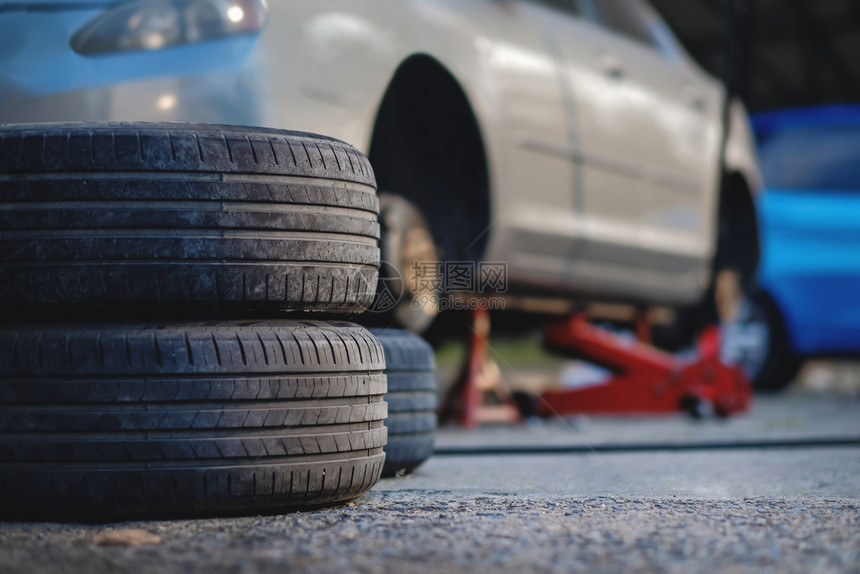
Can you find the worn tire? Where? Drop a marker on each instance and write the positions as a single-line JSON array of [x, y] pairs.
[[187, 217], [778, 363], [116, 421], [412, 400]]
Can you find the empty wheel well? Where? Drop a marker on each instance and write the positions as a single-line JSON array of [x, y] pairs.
[[737, 249], [427, 147], [738, 231]]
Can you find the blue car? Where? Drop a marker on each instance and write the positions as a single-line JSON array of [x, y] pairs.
[[808, 303]]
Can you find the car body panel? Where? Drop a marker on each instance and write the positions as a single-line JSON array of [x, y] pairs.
[[741, 147], [811, 237], [811, 268], [642, 197]]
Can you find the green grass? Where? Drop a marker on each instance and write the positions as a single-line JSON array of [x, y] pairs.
[[526, 351]]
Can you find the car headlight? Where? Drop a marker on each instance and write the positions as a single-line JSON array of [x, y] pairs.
[[155, 24]]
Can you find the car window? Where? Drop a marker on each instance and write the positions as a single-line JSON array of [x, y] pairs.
[[624, 17], [661, 35], [568, 6], [814, 157]]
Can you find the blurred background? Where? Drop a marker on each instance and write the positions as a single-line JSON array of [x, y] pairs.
[[792, 53], [793, 64], [797, 54]]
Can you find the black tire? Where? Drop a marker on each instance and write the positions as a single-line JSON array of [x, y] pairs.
[[773, 367], [412, 400], [117, 422], [187, 217]]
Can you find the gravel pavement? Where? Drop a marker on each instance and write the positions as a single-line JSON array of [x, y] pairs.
[[769, 510], [416, 532]]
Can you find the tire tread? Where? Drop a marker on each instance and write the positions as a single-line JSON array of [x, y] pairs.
[[89, 223], [118, 421]]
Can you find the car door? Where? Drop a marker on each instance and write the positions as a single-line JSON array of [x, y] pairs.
[[535, 203], [647, 152]]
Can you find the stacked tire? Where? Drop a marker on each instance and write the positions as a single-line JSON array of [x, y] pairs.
[[412, 400], [115, 420], [169, 344], [183, 219]]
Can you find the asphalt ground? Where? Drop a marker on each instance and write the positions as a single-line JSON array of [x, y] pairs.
[[790, 506]]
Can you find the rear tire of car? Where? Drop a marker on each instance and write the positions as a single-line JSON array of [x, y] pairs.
[[775, 365], [110, 421], [132, 218], [412, 400]]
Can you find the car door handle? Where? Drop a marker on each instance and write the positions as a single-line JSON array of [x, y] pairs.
[[698, 103], [611, 66], [694, 98]]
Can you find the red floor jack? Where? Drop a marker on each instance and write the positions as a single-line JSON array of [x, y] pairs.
[[478, 395], [645, 380]]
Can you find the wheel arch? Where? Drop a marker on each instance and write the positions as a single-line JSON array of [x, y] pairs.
[[738, 236], [427, 145]]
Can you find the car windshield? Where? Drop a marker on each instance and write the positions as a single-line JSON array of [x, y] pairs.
[[812, 157]]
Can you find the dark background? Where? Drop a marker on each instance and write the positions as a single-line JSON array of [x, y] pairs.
[[787, 53]]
